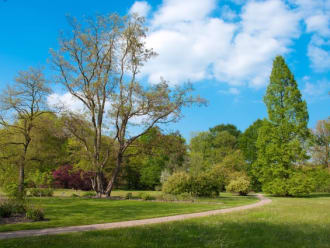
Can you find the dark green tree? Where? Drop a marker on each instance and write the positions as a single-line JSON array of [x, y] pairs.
[[280, 140]]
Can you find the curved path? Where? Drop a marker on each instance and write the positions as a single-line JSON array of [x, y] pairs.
[[130, 223]]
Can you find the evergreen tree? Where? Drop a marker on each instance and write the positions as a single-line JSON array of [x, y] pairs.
[[280, 139]]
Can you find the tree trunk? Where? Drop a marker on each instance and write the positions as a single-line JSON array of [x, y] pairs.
[[114, 175], [21, 179], [99, 181]]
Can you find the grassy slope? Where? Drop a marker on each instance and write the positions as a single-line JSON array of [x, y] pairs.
[[67, 211], [285, 223]]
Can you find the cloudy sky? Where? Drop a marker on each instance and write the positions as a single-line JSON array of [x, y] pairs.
[[224, 47]]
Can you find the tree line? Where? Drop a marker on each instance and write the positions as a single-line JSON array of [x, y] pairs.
[[116, 140]]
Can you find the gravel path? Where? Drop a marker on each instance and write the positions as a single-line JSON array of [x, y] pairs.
[[70, 229]]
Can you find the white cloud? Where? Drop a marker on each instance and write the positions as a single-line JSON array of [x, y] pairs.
[[141, 8], [194, 45], [230, 91], [317, 90], [316, 16], [174, 11], [319, 54], [65, 102]]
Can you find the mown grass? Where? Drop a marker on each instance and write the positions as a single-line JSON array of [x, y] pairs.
[[69, 211], [285, 223]]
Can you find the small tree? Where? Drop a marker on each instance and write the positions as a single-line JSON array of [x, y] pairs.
[[21, 104]]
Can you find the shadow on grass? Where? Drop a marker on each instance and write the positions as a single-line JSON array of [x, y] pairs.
[[190, 234]]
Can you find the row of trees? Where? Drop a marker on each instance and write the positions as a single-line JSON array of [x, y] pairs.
[[114, 139], [98, 64]]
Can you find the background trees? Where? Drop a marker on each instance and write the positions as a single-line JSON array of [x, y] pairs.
[[321, 141]]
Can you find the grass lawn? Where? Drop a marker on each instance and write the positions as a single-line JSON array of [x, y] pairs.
[[68, 211], [285, 223]]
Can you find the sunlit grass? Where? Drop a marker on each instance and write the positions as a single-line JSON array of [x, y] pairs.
[[285, 223], [72, 211]]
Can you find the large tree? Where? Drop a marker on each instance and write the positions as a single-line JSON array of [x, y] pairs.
[[281, 139], [22, 104], [99, 64]]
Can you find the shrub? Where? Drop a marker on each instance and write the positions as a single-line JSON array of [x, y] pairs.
[[240, 185], [68, 178], [167, 197], [204, 184], [10, 207], [277, 187], [5, 209], [185, 197], [146, 197], [129, 195], [177, 183], [39, 192], [320, 178], [12, 191], [300, 184], [35, 213]]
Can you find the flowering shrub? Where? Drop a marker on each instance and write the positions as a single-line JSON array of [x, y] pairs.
[[68, 178]]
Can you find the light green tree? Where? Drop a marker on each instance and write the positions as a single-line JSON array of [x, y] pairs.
[[280, 140]]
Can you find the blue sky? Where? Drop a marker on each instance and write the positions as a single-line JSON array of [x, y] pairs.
[[224, 47]]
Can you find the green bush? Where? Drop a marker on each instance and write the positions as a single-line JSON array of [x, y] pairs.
[[146, 197], [40, 192], [5, 209], [300, 184], [185, 197], [177, 183], [239, 185], [75, 195], [12, 191], [320, 178], [167, 197], [11, 206], [277, 187], [205, 184], [129, 195], [35, 213]]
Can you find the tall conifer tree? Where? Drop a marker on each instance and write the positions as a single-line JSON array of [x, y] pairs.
[[281, 138]]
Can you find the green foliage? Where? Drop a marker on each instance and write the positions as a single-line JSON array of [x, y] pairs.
[[320, 178], [280, 140], [41, 192], [299, 184], [12, 206], [277, 187], [12, 191], [240, 185], [247, 141], [39, 179], [129, 195], [146, 197], [205, 184], [177, 183], [35, 213], [210, 148], [5, 209]]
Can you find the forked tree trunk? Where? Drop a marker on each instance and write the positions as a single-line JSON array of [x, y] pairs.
[[114, 175]]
